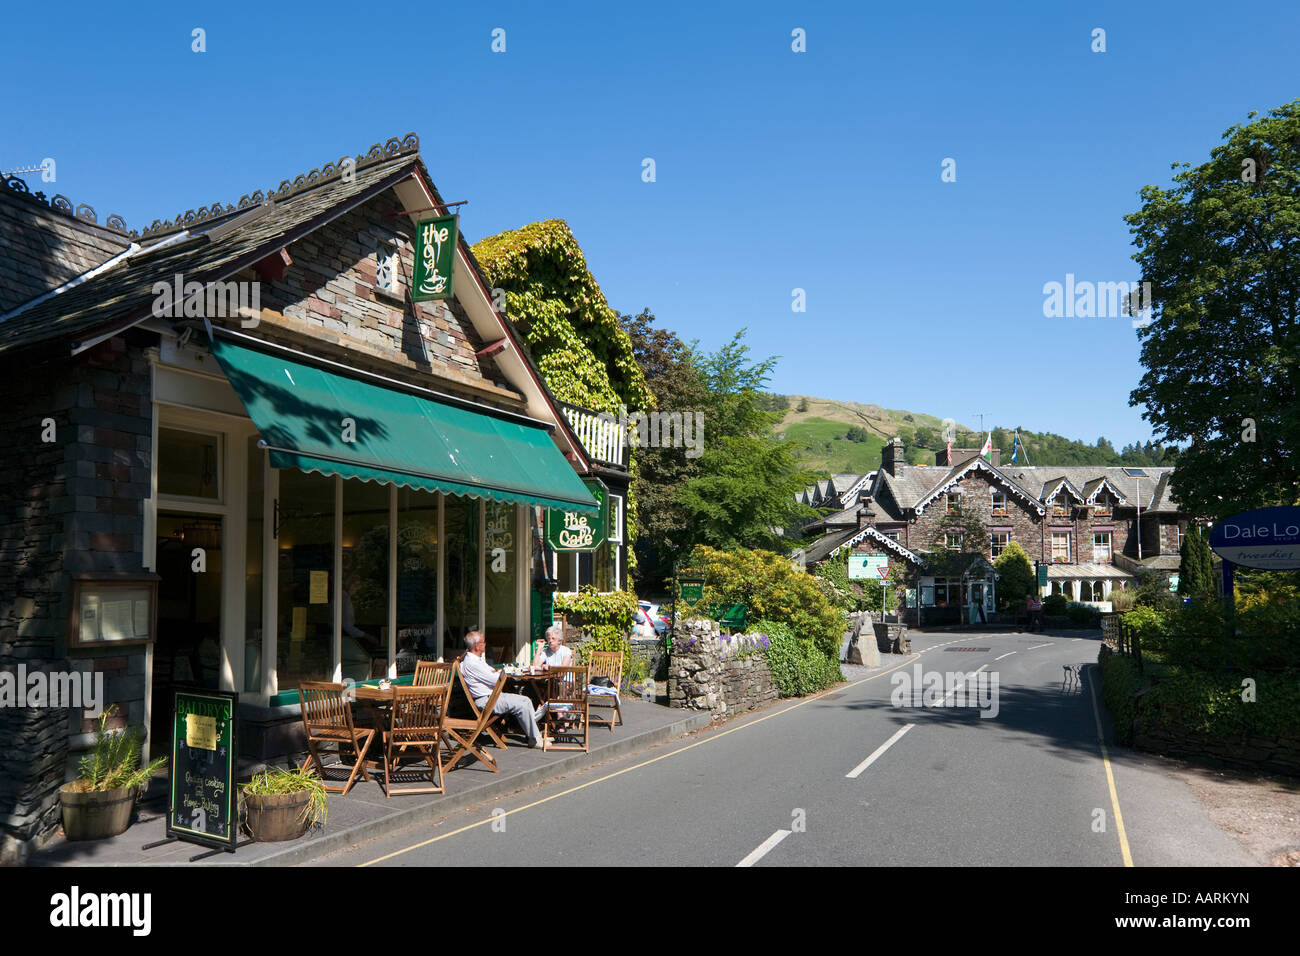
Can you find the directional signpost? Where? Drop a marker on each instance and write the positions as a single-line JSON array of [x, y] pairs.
[[883, 571]]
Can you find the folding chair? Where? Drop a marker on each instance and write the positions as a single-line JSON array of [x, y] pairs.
[[432, 674], [327, 719], [568, 714], [495, 726], [415, 724], [606, 664], [465, 731]]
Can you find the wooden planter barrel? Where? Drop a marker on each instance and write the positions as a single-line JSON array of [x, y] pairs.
[[274, 817], [95, 814]]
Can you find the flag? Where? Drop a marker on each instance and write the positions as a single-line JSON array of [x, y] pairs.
[[1015, 448], [987, 451]]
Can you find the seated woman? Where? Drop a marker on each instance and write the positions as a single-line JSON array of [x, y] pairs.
[[554, 653]]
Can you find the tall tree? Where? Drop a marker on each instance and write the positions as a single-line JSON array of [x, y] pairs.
[[1221, 249], [744, 492], [668, 365]]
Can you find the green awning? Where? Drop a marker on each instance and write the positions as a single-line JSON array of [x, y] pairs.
[[399, 437]]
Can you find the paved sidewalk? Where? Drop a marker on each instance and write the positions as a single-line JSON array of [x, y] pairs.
[[365, 813]]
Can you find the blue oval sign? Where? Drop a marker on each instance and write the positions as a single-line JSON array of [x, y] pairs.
[[1266, 538]]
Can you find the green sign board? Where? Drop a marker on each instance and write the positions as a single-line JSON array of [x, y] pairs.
[[568, 531], [1042, 575], [692, 590], [1173, 583], [203, 806], [867, 566], [435, 255]]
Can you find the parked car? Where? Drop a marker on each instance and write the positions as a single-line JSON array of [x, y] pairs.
[[656, 615]]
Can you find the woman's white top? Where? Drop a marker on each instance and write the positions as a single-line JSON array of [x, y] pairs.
[[562, 657]]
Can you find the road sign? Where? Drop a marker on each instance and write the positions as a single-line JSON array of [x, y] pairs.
[[883, 572], [863, 565]]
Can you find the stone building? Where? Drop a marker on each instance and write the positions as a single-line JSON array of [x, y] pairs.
[[240, 453], [1080, 522]]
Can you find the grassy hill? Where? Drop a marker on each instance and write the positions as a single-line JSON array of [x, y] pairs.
[[821, 429]]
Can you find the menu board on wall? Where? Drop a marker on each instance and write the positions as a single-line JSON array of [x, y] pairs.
[[203, 805], [112, 608]]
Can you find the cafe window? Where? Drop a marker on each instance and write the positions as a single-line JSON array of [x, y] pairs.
[[305, 549], [253, 569], [998, 541], [1101, 552], [500, 543], [364, 570], [616, 518], [599, 568], [999, 502], [189, 464], [1060, 546], [417, 578], [461, 539]]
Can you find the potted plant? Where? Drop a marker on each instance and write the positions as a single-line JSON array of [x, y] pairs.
[[99, 803], [282, 804]]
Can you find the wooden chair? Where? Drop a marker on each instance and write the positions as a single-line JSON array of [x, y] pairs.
[[568, 714], [495, 727], [606, 664], [327, 719], [416, 724], [432, 674], [462, 733]]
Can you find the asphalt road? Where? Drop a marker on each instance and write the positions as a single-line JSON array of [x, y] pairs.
[[934, 785]]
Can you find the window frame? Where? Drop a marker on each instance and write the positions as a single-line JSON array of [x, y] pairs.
[[1067, 535]]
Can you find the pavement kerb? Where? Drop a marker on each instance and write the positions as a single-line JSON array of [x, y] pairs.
[[453, 803]]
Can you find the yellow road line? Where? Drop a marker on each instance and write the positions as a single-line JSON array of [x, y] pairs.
[[1110, 777], [645, 763]]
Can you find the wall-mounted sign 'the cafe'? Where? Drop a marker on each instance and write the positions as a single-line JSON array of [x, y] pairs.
[[435, 254], [579, 531]]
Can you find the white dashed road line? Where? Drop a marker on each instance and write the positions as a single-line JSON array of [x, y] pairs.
[[1007, 654], [764, 848], [1037, 646], [875, 754]]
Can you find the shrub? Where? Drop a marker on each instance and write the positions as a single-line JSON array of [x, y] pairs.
[[798, 667], [1122, 600], [1120, 682], [1083, 616], [1016, 576], [1147, 624], [607, 617], [1211, 704], [771, 589], [1056, 606]]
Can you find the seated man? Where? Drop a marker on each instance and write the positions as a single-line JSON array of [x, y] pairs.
[[480, 679], [554, 653]]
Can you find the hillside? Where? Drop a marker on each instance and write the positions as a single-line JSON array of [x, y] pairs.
[[822, 427]]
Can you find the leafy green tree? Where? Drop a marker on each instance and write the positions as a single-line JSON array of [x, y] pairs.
[[744, 492], [1015, 575], [662, 522], [1221, 249], [958, 535]]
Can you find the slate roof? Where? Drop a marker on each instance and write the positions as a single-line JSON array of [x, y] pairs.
[[219, 245], [915, 482], [42, 246]]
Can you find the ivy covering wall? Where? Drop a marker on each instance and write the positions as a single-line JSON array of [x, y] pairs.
[[574, 337]]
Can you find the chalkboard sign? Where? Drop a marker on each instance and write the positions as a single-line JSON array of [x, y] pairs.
[[203, 807]]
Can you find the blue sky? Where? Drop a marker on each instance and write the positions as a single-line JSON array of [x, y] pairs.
[[775, 170]]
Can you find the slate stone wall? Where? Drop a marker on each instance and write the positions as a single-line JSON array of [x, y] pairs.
[[71, 504], [706, 672]]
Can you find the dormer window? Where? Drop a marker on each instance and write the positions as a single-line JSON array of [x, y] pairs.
[[999, 502], [1102, 506], [1061, 504]]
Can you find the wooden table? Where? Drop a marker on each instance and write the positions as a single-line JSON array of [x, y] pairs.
[[533, 685]]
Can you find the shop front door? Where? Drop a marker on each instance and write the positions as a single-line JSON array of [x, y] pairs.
[[188, 647]]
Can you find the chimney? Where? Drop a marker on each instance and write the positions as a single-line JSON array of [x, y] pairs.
[[891, 456], [866, 513]]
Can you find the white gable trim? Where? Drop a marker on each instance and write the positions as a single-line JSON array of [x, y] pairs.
[[1068, 486], [889, 543], [1105, 483], [978, 464]]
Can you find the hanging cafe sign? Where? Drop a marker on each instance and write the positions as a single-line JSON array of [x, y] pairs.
[[568, 531], [435, 253]]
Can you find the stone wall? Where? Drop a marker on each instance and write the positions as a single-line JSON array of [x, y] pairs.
[[71, 504], [707, 672], [1262, 754]]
